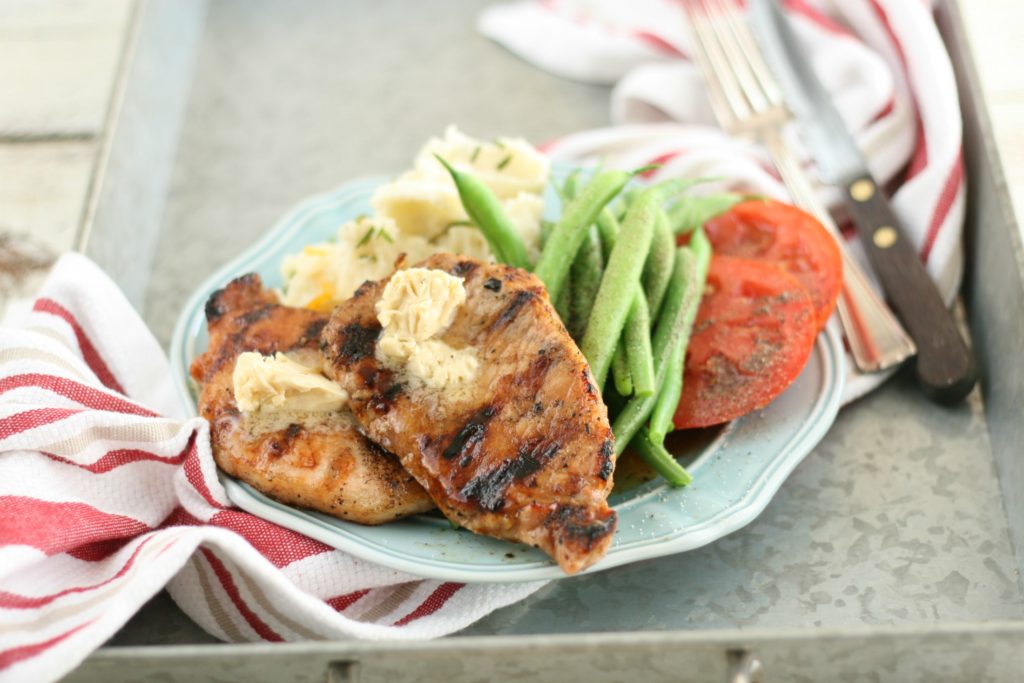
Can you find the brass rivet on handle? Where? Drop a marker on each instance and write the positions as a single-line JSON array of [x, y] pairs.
[[884, 237], [862, 190]]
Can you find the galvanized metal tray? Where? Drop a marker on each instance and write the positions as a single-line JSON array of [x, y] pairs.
[[894, 552]]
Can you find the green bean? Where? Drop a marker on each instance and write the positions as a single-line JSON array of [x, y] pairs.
[[608, 228], [585, 279], [562, 304], [661, 461], [486, 211], [615, 296], [571, 228], [664, 411], [692, 212], [681, 291], [622, 273], [570, 185], [701, 248], [669, 394], [658, 268], [637, 336], [628, 197], [546, 227], [567, 190], [620, 371]]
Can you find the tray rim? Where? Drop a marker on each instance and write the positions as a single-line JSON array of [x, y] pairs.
[[954, 36]]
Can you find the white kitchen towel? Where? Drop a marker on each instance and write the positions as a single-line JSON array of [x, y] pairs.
[[883, 61], [108, 493]]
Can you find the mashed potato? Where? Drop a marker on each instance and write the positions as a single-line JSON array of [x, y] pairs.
[[322, 275], [420, 214]]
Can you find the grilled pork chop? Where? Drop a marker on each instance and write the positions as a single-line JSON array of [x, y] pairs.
[[524, 452], [317, 460]]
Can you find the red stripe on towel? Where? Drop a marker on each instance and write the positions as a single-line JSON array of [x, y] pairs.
[[75, 391], [436, 601], [226, 580], [89, 353]]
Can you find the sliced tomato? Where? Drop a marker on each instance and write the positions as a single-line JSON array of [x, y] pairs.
[[788, 236], [753, 335]]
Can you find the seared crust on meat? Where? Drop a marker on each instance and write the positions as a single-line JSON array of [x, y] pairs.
[[321, 462], [524, 451]]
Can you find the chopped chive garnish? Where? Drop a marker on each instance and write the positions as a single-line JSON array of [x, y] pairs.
[[504, 162], [499, 144], [365, 238], [475, 154], [383, 233]]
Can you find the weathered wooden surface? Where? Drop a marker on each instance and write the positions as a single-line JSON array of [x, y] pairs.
[[58, 63]]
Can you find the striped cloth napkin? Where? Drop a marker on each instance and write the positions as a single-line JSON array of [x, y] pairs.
[[882, 60], [108, 494]]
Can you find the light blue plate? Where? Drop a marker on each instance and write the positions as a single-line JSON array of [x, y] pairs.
[[735, 474]]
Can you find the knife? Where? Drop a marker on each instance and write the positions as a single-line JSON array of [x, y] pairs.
[[944, 366]]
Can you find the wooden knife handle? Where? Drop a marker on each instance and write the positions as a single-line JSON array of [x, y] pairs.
[[945, 367]]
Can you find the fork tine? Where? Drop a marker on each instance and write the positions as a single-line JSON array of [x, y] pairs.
[[727, 98], [724, 24], [754, 58], [744, 94]]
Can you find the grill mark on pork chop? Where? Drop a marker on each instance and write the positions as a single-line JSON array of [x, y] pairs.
[[255, 315], [227, 352], [213, 309], [363, 288], [509, 313], [279, 443], [493, 284], [312, 331], [223, 300], [537, 372], [488, 489], [384, 400], [607, 460], [467, 441], [358, 342], [463, 268], [578, 524]]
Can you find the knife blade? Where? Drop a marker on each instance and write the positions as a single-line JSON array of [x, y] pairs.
[[944, 365]]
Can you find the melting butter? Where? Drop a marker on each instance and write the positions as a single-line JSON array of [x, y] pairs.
[[278, 383], [416, 306]]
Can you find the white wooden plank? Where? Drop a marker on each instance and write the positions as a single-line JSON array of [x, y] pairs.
[[43, 188], [52, 16], [58, 61]]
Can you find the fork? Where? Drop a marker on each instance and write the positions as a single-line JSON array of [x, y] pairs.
[[747, 100]]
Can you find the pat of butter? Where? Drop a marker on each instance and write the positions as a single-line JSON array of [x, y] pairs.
[[275, 383], [417, 305]]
